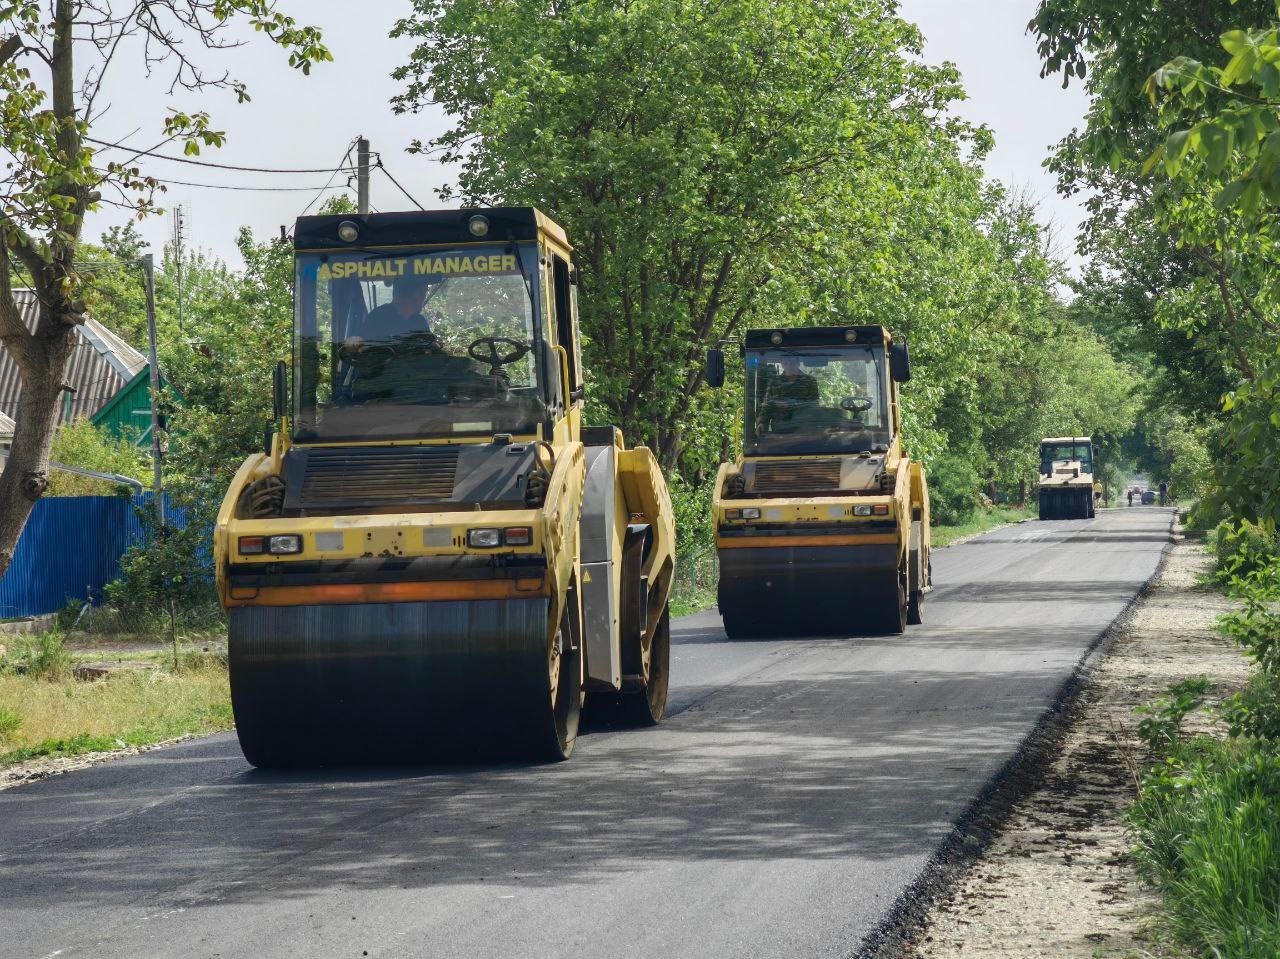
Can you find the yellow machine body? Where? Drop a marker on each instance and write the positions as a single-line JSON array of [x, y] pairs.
[[833, 538], [1067, 487], [405, 566]]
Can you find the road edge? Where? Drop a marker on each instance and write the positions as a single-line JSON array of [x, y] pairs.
[[980, 822]]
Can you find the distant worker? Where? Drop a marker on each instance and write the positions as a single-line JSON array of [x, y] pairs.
[[791, 389], [1164, 493], [1130, 495]]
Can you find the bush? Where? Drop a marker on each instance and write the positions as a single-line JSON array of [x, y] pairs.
[[85, 445], [953, 490], [1254, 712], [1244, 548]]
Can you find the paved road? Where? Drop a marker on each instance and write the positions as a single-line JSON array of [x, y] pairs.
[[798, 789]]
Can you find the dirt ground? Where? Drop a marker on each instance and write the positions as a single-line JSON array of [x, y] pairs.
[[1056, 880]]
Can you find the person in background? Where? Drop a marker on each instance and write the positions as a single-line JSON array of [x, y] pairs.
[[1164, 493], [1129, 495]]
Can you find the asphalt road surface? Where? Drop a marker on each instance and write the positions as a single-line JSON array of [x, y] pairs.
[[797, 789]]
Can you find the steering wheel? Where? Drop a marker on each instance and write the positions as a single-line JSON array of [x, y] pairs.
[[419, 341], [494, 355], [857, 404]]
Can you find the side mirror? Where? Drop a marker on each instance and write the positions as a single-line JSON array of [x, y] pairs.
[[900, 362], [280, 390], [715, 368]]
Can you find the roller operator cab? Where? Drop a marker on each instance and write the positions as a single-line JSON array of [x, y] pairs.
[[433, 557], [1067, 488], [822, 527]]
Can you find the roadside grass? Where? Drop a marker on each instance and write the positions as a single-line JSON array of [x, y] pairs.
[[46, 711], [982, 520], [694, 589], [1207, 828], [1207, 818]]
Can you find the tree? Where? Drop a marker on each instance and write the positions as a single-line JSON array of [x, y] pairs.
[[54, 58], [703, 156], [1182, 155]]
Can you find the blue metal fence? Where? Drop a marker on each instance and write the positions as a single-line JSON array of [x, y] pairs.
[[70, 549]]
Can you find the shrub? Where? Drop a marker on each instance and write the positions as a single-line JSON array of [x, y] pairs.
[[953, 489], [1162, 722], [1245, 548], [1255, 710]]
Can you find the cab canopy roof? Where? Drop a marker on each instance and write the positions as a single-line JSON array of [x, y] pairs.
[[1064, 439], [816, 336], [425, 228]]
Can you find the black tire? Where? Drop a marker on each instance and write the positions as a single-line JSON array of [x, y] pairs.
[[647, 706], [915, 608], [895, 616], [555, 741]]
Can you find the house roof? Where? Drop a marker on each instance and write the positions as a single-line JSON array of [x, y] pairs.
[[6, 425], [100, 365]]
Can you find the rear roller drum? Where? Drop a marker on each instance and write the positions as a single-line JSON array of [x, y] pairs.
[[648, 705]]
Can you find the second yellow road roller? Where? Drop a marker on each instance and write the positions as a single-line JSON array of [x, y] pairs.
[[432, 557], [822, 526]]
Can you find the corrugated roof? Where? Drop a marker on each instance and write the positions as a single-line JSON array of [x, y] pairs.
[[100, 365]]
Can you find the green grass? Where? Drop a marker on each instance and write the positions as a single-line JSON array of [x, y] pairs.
[[1207, 825], [46, 711], [981, 521]]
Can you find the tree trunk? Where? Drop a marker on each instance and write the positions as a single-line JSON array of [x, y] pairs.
[[26, 472]]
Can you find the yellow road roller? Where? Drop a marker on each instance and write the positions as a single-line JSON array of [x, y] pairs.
[[822, 527], [1066, 478], [432, 558]]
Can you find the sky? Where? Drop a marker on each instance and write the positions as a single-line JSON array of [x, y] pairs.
[[297, 121]]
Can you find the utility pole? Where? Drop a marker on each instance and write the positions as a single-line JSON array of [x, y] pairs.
[[179, 225], [148, 266], [362, 174]]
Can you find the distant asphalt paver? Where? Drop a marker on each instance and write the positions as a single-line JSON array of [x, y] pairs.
[[797, 789]]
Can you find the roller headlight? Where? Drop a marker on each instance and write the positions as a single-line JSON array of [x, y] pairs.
[[484, 538], [751, 512], [284, 545]]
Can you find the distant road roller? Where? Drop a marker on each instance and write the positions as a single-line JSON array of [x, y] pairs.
[[822, 527], [1066, 478], [433, 558]]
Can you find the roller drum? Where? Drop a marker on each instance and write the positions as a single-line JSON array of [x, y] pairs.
[[380, 682], [809, 590]]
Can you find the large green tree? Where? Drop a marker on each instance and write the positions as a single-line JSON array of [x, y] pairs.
[[55, 56], [703, 155], [1183, 257]]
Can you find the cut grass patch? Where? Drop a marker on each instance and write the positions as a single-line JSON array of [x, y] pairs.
[[134, 707]]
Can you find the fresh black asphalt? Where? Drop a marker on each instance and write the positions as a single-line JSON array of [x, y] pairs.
[[798, 787]]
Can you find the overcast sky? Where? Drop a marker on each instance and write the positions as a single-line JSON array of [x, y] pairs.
[[297, 121]]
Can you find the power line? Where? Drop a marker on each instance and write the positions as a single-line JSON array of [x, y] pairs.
[[336, 170], [398, 186], [138, 151], [252, 189]]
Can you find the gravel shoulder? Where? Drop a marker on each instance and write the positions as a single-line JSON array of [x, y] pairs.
[[1054, 878]]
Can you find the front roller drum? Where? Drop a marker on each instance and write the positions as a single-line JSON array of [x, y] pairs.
[[812, 591], [402, 682]]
